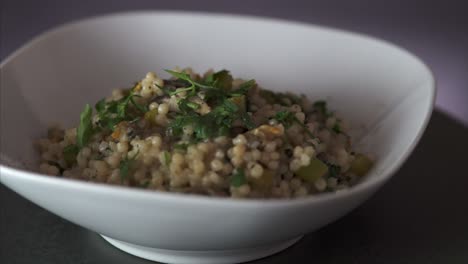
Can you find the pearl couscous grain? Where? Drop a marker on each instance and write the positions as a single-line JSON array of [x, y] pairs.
[[211, 135]]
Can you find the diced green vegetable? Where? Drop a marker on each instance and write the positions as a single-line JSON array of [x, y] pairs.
[[360, 165], [238, 178], [150, 116], [312, 172]]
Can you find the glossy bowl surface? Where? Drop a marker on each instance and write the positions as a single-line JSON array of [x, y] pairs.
[[386, 93]]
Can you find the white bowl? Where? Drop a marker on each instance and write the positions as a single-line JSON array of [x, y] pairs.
[[384, 91]]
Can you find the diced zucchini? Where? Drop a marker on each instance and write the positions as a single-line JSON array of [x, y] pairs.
[[150, 116], [265, 182], [312, 172], [240, 102], [360, 165]]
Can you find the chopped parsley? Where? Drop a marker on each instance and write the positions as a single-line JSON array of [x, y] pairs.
[[125, 166], [333, 170], [221, 79], [113, 112], [83, 134], [238, 178], [216, 123], [288, 118], [336, 128], [220, 120], [85, 128], [69, 153], [321, 107], [192, 89], [284, 99], [181, 146], [167, 158]]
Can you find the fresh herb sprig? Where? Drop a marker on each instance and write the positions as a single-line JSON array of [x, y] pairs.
[[186, 77], [337, 128], [216, 89], [112, 113], [126, 165], [84, 133], [218, 122], [109, 115], [238, 178], [288, 118], [321, 107], [284, 99], [85, 128]]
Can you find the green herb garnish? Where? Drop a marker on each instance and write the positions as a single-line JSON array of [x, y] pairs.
[[333, 170], [244, 88], [284, 99], [221, 79], [125, 166], [69, 153], [336, 128], [289, 118], [85, 128], [238, 178], [83, 134], [186, 106], [321, 107], [145, 184], [167, 158], [113, 112], [186, 77], [215, 89], [216, 123]]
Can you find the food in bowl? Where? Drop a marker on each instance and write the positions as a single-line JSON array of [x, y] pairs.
[[211, 135]]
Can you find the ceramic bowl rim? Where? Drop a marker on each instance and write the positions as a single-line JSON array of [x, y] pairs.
[[129, 192]]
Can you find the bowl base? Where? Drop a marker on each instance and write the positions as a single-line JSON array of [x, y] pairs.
[[205, 257]]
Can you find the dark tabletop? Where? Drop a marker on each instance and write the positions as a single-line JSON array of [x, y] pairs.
[[420, 216]]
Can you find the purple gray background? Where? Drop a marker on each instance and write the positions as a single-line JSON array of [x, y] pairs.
[[419, 217], [437, 31]]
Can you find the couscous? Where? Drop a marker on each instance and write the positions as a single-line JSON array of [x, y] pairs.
[[211, 135]]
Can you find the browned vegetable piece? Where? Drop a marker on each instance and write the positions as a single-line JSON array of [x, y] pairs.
[[361, 165], [312, 172]]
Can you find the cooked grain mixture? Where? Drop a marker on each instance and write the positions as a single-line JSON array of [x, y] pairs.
[[211, 135]]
